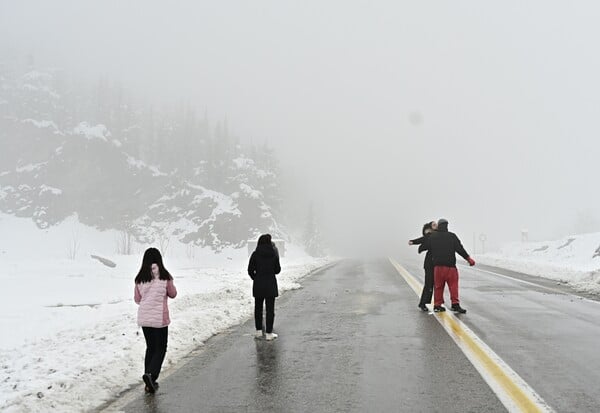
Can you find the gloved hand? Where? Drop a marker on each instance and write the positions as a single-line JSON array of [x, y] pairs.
[[471, 261]]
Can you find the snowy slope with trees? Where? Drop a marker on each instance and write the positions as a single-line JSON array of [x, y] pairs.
[[151, 174], [89, 178]]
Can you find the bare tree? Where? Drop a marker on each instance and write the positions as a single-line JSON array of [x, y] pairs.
[[163, 242], [190, 251], [74, 243], [124, 243]]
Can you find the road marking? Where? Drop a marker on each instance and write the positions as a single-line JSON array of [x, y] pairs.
[[554, 290], [514, 393]]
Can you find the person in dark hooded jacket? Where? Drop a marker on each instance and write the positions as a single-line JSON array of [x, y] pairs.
[[427, 292], [262, 268], [444, 245]]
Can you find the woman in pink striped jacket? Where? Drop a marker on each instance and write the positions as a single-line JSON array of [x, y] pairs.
[[153, 285]]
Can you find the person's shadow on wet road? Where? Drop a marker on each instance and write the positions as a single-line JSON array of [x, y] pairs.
[[267, 366]]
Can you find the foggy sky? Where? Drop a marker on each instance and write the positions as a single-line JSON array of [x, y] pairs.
[[385, 115]]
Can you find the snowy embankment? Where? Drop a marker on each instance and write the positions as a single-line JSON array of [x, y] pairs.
[[69, 336], [574, 260]]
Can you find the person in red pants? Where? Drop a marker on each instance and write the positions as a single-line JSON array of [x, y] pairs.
[[444, 245]]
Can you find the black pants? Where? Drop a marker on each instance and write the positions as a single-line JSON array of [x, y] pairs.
[[427, 287], [156, 348], [258, 312]]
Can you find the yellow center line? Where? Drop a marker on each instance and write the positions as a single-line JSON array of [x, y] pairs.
[[511, 389]]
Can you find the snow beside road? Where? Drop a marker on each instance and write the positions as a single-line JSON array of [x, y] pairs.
[[69, 336], [574, 260]]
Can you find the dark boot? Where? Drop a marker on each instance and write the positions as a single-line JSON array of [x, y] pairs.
[[423, 307], [458, 309], [439, 309], [150, 384]]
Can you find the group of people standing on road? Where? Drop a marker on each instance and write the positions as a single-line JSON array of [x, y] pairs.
[[154, 286], [440, 265]]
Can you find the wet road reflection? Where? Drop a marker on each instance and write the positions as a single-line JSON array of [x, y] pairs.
[[267, 367], [351, 340]]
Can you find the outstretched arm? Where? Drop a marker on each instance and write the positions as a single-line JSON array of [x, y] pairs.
[[458, 247], [417, 241]]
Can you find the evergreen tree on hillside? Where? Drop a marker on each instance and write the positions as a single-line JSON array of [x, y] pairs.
[[313, 242], [270, 177]]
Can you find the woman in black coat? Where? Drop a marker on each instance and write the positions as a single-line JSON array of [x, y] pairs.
[[427, 292], [263, 265]]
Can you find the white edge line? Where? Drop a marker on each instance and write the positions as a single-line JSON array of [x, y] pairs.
[[554, 290], [496, 387]]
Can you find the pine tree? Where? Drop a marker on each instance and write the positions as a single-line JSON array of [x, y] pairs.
[[313, 243]]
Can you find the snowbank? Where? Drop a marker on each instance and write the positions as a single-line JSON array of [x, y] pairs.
[[574, 260], [70, 340]]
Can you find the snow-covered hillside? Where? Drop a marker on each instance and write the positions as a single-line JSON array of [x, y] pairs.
[[574, 260], [70, 340], [153, 176]]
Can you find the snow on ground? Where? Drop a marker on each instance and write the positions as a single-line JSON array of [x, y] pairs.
[[92, 132], [574, 260], [41, 123], [69, 336]]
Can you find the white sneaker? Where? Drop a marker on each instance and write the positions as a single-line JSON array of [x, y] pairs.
[[271, 336], [258, 334]]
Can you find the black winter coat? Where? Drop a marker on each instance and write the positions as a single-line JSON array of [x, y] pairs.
[[443, 246], [263, 265], [421, 242]]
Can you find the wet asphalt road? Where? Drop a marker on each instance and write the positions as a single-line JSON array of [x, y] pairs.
[[548, 335], [351, 340]]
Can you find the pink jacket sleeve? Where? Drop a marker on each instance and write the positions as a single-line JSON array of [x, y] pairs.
[[171, 290], [137, 297]]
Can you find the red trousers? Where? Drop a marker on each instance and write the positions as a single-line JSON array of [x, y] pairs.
[[441, 276]]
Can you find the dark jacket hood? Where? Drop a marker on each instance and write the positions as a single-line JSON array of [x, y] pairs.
[[443, 227], [265, 250]]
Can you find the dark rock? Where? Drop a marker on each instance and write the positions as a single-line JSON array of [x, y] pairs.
[[104, 261]]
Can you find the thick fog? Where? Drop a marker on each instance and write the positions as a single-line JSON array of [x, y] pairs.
[[385, 114]]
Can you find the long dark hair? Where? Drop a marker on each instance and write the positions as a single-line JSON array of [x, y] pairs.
[[426, 227], [152, 256], [264, 239]]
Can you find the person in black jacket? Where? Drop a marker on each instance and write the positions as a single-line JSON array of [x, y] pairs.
[[427, 292], [443, 245], [262, 268]]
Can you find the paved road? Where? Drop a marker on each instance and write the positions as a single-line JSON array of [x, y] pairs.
[[549, 336], [352, 340]]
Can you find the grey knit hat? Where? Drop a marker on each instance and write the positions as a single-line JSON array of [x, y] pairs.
[[442, 221]]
